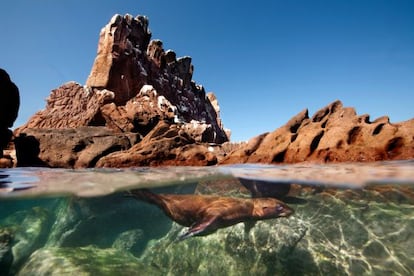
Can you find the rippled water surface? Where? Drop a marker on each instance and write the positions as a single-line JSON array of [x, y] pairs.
[[349, 219]]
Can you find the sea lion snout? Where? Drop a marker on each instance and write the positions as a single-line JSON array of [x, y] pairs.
[[270, 208], [284, 210]]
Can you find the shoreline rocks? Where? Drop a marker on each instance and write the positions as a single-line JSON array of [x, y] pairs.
[[78, 147], [166, 145], [333, 134]]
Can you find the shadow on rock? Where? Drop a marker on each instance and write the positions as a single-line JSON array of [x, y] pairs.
[[27, 151]]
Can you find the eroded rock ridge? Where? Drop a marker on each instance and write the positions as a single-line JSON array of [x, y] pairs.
[[333, 134]]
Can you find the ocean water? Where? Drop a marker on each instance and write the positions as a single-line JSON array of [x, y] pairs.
[[349, 219]]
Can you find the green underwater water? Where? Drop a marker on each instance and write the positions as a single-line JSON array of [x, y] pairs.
[[357, 229]]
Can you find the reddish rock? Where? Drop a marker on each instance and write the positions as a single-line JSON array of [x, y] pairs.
[[69, 106], [166, 144], [78, 147], [133, 84], [334, 134], [119, 64], [148, 83]]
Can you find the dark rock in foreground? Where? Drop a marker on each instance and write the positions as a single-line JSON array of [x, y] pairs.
[[334, 134], [9, 107]]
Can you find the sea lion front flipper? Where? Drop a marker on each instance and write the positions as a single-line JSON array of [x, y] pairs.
[[248, 225], [198, 229]]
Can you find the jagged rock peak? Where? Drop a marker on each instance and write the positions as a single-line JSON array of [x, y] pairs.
[[128, 59], [122, 45]]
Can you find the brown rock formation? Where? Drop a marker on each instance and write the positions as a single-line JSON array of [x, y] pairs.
[[334, 134], [78, 147], [133, 85], [69, 106], [122, 46], [149, 84], [166, 144]]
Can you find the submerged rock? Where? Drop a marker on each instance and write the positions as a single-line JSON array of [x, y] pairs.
[[110, 221], [131, 241], [333, 134], [6, 254], [353, 233], [235, 250], [87, 260], [30, 230]]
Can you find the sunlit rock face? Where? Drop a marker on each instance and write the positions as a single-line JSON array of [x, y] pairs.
[[122, 46], [133, 85], [69, 106], [333, 134], [147, 79]]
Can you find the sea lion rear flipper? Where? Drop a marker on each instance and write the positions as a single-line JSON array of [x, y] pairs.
[[198, 229]]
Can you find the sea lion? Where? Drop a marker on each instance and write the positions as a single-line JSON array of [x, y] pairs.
[[261, 188], [205, 214]]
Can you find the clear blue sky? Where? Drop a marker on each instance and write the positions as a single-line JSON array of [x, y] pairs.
[[265, 60]]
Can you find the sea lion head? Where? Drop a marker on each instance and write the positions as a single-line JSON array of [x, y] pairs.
[[266, 208]]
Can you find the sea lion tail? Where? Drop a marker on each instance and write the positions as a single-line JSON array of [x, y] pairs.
[[145, 195]]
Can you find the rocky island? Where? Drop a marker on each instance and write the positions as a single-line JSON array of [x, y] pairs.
[[140, 107]]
